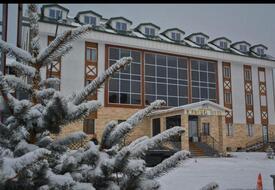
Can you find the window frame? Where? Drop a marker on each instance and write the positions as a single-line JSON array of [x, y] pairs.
[[143, 51], [119, 26], [151, 31], [229, 129], [85, 127], [90, 18], [243, 48], [200, 40], [176, 36], [55, 12]]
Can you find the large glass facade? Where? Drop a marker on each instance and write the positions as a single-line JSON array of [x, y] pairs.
[[203, 78], [157, 76], [125, 86], [166, 78]]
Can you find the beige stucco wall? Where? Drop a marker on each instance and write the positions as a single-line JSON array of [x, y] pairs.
[[239, 139]]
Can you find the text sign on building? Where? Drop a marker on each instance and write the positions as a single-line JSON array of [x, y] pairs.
[[203, 111]]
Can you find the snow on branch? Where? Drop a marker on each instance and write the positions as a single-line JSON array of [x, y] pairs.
[[18, 83], [140, 148], [71, 138], [167, 164], [82, 110], [106, 133], [125, 127], [34, 29], [45, 94], [54, 113], [50, 81], [61, 44], [98, 81], [58, 43], [15, 51], [11, 166], [22, 68]]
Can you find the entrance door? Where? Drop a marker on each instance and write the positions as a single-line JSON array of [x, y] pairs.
[[193, 128], [265, 134], [173, 121]]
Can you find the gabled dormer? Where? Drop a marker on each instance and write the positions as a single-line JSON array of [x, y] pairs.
[[222, 42], [174, 34], [54, 11], [148, 29], [119, 24], [241, 46], [88, 17], [259, 49], [198, 38]]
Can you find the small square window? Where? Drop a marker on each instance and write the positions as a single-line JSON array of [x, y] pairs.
[[260, 51], [55, 14], [149, 31], [223, 44], [90, 20], [243, 48], [121, 26], [175, 36], [200, 40]]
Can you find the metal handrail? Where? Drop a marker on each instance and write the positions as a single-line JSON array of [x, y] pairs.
[[210, 140], [271, 138]]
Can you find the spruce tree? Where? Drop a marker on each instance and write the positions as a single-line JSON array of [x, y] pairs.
[[31, 159]]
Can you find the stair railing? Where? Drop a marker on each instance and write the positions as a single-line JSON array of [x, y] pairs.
[[259, 140], [209, 140]]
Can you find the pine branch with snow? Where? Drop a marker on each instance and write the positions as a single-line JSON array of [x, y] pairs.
[[30, 158]]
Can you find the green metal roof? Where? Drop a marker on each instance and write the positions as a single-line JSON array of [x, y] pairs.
[[240, 42], [119, 17], [96, 28], [221, 38], [197, 33], [145, 24], [88, 11], [258, 45], [53, 5]]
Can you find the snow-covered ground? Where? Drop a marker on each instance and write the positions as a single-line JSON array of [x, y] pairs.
[[238, 172]]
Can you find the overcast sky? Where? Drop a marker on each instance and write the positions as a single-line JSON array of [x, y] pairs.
[[252, 23]]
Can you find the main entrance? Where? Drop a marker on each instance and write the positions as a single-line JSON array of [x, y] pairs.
[[193, 128]]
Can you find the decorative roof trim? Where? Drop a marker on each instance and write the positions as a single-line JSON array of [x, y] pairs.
[[53, 5], [119, 17], [173, 29], [88, 11], [120, 34], [240, 42], [197, 33], [145, 24], [220, 38], [258, 45]]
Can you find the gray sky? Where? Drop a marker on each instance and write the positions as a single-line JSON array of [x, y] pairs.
[[252, 23]]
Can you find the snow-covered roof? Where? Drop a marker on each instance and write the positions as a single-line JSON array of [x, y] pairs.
[[196, 105], [133, 33]]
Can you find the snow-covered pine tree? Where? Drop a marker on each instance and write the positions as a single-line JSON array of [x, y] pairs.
[[30, 159]]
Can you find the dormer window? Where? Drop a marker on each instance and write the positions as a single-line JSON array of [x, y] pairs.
[[223, 45], [149, 31], [260, 51], [175, 36], [200, 40], [121, 26], [55, 14], [243, 48], [90, 20]]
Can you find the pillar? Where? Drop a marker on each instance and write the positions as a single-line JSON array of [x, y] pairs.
[[184, 137]]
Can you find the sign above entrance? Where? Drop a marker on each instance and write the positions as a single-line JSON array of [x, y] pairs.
[[202, 108], [203, 111]]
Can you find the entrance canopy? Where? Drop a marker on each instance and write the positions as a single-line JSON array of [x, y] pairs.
[[203, 108]]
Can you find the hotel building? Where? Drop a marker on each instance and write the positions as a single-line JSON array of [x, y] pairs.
[[221, 92]]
